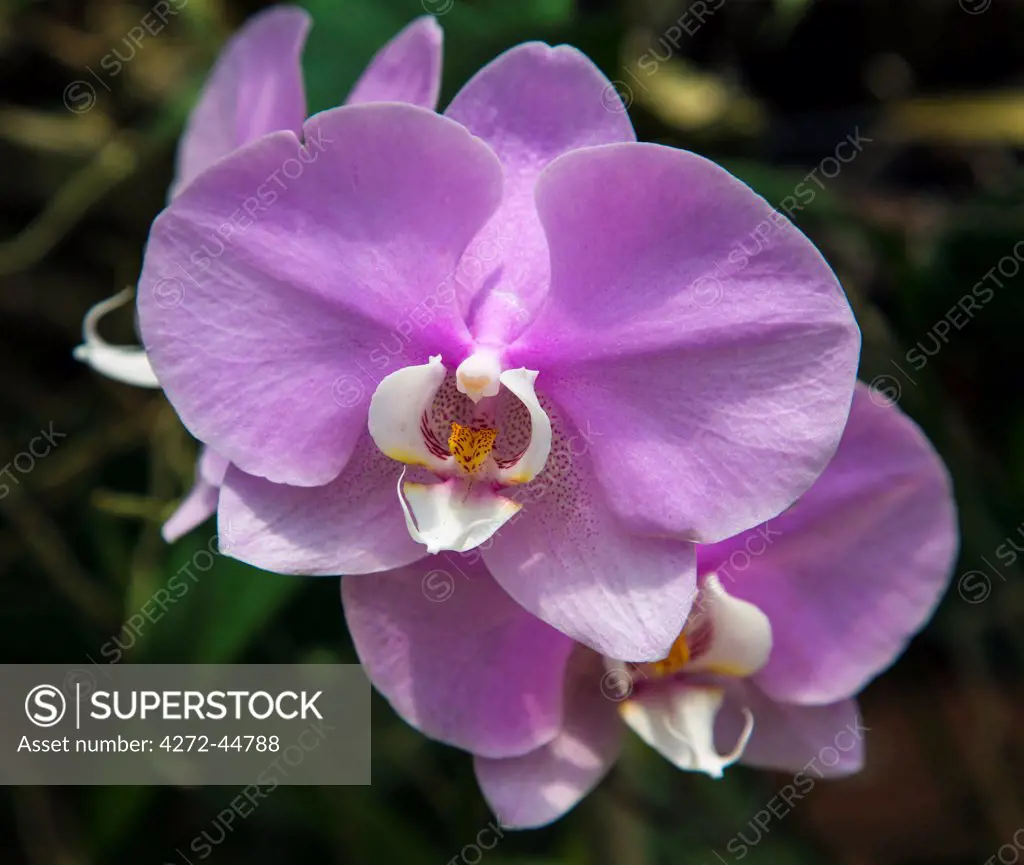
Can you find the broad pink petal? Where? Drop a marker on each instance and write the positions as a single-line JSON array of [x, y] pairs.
[[531, 104], [456, 657], [568, 559], [856, 567], [543, 785], [268, 307], [407, 69], [719, 380], [255, 88], [352, 525], [820, 740]]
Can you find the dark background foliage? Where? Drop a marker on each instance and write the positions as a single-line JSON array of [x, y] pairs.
[[929, 207]]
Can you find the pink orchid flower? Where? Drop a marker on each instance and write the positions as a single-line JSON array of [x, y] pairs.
[[792, 619], [393, 350]]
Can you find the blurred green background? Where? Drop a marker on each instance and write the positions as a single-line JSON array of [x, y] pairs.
[[922, 213]]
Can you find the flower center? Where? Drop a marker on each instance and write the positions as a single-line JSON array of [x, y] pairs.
[[724, 636], [677, 658], [470, 446], [692, 644], [411, 413]]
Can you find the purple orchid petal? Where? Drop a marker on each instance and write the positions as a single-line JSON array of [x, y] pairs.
[[820, 740], [566, 558], [349, 526], [201, 502], [255, 88], [264, 305], [212, 466], [407, 69], [456, 657], [856, 567], [543, 785], [720, 380], [195, 509], [531, 104]]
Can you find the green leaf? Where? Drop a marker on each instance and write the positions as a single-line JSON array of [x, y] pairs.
[[209, 608]]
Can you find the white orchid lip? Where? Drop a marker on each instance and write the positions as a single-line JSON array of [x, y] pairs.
[[724, 637], [463, 507], [128, 364], [397, 409], [452, 516], [680, 725], [531, 461]]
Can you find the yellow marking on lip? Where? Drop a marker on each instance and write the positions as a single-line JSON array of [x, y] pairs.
[[471, 446], [407, 457], [677, 658]]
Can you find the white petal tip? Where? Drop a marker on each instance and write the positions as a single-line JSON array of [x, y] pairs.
[[127, 364]]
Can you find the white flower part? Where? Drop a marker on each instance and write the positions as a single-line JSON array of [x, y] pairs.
[[531, 463], [453, 515], [740, 634], [127, 364], [463, 508], [397, 409], [478, 375], [679, 723]]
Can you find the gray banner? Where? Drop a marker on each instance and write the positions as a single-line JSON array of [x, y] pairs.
[[184, 724]]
